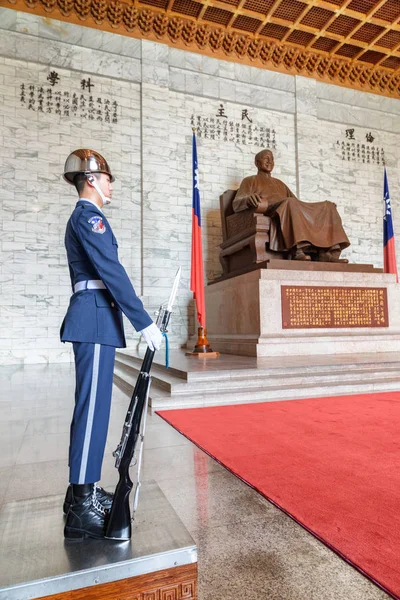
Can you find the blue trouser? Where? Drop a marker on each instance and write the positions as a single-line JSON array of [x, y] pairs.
[[94, 368]]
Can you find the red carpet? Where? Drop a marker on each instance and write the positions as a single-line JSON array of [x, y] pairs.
[[333, 464]]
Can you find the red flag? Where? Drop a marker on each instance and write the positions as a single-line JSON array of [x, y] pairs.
[[389, 248], [197, 271]]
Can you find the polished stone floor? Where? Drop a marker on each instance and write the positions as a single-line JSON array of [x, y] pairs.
[[247, 547]]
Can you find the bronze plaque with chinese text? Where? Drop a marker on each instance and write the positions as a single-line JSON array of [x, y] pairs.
[[307, 307]]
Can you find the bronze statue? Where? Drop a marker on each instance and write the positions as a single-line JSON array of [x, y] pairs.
[[305, 228]]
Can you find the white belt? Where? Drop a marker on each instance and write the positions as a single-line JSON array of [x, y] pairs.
[[91, 284]]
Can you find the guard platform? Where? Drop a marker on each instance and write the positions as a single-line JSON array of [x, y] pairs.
[[160, 561]]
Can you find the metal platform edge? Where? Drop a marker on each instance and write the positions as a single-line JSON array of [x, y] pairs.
[[100, 575]]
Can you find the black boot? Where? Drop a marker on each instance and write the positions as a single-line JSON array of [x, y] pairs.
[[86, 516], [105, 498]]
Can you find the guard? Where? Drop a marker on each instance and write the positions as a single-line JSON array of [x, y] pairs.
[[101, 291]]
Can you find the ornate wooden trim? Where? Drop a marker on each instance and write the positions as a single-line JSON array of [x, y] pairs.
[[130, 18], [178, 583]]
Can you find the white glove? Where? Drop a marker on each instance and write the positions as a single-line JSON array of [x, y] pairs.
[[152, 336]]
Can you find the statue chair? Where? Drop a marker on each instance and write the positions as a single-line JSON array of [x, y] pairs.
[[245, 237]]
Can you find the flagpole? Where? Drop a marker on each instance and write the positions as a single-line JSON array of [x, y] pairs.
[[389, 248], [202, 348]]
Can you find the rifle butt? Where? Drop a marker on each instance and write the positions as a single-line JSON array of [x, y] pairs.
[[119, 525]]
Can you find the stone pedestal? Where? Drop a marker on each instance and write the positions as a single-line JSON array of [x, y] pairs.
[[244, 315]]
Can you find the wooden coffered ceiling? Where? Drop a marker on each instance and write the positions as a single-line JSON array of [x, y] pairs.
[[355, 43]]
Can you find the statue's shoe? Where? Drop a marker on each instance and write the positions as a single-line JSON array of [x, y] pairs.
[[329, 257], [300, 255]]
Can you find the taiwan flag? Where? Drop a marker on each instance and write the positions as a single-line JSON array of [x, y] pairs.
[[389, 249], [197, 271]]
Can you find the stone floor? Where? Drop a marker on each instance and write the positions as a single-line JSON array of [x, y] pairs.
[[247, 547]]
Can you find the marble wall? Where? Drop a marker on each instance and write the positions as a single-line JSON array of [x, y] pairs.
[[36, 202], [160, 93]]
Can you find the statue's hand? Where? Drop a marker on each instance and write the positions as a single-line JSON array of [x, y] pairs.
[[253, 200]]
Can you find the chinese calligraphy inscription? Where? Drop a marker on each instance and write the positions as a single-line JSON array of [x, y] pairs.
[[355, 149], [308, 307], [69, 104], [220, 126]]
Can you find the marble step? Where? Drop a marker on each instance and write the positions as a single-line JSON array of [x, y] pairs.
[[254, 380], [261, 372], [162, 380], [281, 389], [159, 400], [129, 359]]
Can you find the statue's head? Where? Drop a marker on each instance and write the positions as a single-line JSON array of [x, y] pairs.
[[264, 161]]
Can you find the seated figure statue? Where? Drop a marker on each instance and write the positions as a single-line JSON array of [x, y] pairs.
[[304, 228]]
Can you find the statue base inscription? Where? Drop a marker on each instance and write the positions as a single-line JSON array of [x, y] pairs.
[[311, 307], [273, 312]]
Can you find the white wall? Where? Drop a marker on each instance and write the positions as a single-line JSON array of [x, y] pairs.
[[158, 89]]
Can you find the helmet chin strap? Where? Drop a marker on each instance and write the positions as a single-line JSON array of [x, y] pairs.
[[91, 179]]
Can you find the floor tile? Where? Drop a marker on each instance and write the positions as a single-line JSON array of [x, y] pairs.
[[49, 425], [38, 479], [274, 559], [5, 476], [173, 462], [211, 499], [9, 450], [41, 448]]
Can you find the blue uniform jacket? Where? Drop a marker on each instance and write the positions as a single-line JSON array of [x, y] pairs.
[[95, 315]]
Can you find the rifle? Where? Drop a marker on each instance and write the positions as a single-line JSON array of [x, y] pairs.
[[119, 522]]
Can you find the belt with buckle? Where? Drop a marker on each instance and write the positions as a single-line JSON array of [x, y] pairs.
[[90, 284]]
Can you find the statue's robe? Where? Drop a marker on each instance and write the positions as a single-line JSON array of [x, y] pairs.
[[293, 222]]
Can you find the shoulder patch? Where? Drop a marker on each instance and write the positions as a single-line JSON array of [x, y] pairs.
[[97, 224]]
